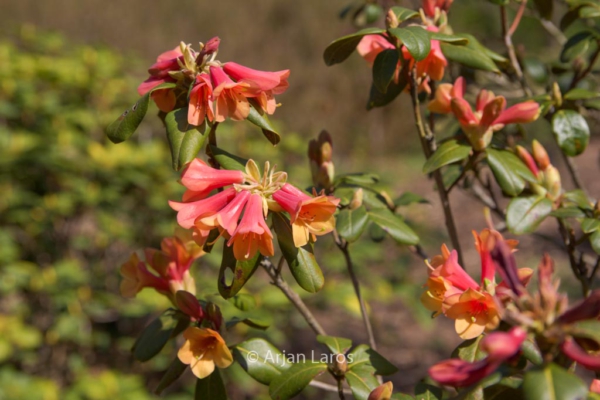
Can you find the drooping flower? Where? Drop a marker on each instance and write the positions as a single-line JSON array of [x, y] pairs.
[[262, 85], [309, 216], [490, 113], [429, 6], [202, 350], [500, 346], [230, 97], [201, 105], [187, 213], [252, 234], [202, 178], [160, 73]]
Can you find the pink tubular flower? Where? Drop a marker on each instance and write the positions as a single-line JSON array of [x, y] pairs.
[[490, 113], [429, 6], [309, 216], [576, 353], [454, 273], [229, 216], [229, 96], [500, 346], [201, 106], [595, 386], [252, 234], [187, 213], [371, 45], [263, 85], [202, 178], [159, 74]]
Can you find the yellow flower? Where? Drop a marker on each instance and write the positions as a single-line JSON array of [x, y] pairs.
[[202, 350], [474, 312]]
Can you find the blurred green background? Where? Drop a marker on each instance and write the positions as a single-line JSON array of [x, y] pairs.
[[73, 206]]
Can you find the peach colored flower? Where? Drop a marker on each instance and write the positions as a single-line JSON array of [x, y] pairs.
[[201, 105], [438, 289], [474, 312], [262, 85], [229, 96], [252, 234], [202, 350], [309, 216], [188, 213]]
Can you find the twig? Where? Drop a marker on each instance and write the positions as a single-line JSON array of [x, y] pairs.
[[554, 31], [328, 387], [418, 251], [573, 171], [292, 296], [579, 76], [429, 145], [340, 384], [343, 246], [577, 264], [512, 55], [517, 20]]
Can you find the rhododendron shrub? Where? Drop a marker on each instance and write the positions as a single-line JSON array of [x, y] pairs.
[[520, 340]]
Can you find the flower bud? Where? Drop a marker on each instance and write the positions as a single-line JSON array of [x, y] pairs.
[[552, 182], [556, 95], [189, 304], [339, 365], [540, 155], [213, 314], [528, 160], [357, 200], [382, 392], [391, 20]]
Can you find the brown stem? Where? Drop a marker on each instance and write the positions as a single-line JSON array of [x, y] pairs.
[[343, 246], [340, 385], [579, 76], [512, 55], [328, 387], [517, 20], [292, 296], [577, 265], [429, 145]]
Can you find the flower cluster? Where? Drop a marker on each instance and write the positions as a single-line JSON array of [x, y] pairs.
[[548, 176], [451, 291], [165, 270], [240, 209], [431, 67], [211, 89], [490, 113], [560, 332]]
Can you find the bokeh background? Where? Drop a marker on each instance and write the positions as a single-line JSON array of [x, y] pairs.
[[73, 206]]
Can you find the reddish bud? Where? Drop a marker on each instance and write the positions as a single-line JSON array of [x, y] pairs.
[[507, 266], [213, 314], [540, 155], [589, 308], [189, 304], [576, 353], [526, 157], [382, 392], [391, 20]]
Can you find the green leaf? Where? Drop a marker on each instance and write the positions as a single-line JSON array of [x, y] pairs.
[[185, 140], [363, 355], [454, 39], [243, 301], [553, 383], [128, 122], [155, 336], [301, 260], [589, 225], [241, 271], [545, 8], [449, 152], [408, 198], [473, 55], [524, 214], [579, 198], [210, 388], [469, 350], [451, 175], [393, 225], [359, 179], [531, 352], [259, 118], [595, 241], [337, 345], [568, 212], [341, 48], [260, 359], [576, 46], [251, 322], [509, 171], [589, 11], [379, 99], [296, 378], [176, 369], [227, 160], [384, 69], [361, 381], [581, 94], [404, 13], [571, 131], [376, 233], [424, 391], [350, 224], [588, 329], [415, 39]]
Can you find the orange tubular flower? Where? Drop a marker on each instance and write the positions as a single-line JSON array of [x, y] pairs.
[[202, 350], [229, 96], [474, 312], [438, 289], [310, 216], [252, 234], [433, 65], [201, 106]]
